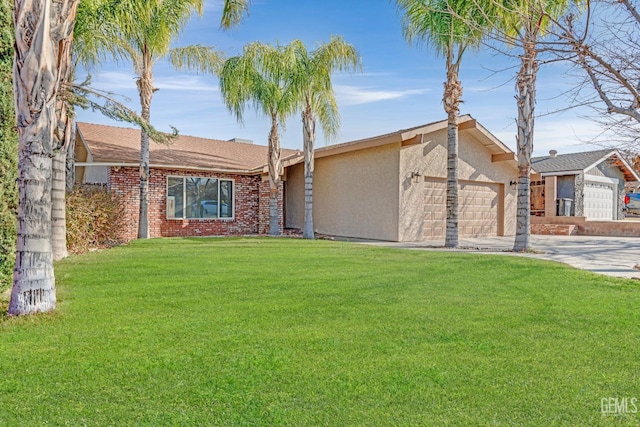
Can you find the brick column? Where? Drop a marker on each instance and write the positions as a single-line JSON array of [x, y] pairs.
[[125, 183]]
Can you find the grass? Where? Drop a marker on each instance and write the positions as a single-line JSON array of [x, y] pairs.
[[290, 332]]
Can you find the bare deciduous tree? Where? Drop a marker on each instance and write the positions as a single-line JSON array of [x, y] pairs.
[[604, 44]]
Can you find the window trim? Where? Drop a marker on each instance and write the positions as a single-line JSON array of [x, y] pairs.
[[184, 198]]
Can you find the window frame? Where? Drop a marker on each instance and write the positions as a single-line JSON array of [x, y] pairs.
[[184, 198]]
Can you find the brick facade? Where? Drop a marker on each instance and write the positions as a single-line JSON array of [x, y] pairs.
[[580, 226], [251, 204], [554, 229], [265, 191]]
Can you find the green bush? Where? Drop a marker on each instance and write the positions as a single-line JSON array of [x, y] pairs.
[[7, 244], [8, 207], [94, 219], [8, 150]]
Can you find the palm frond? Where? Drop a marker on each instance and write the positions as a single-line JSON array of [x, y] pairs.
[[80, 95], [233, 11], [443, 24], [197, 58], [312, 80]]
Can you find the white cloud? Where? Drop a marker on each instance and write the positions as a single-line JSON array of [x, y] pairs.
[[354, 95], [118, 81], [185, 83], [113, 80], [563, 134], [571, 135]]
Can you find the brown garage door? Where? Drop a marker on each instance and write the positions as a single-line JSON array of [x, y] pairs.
[[478, 209]]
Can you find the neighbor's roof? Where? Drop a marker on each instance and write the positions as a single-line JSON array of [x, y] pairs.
[[574, 162], [115, 145]]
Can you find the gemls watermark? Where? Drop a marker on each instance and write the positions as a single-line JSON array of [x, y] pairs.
[[618, 405]]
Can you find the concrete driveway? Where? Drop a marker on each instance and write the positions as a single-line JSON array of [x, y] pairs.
[[613, 256]]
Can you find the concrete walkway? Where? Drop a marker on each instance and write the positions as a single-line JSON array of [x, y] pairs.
[[613, 256]]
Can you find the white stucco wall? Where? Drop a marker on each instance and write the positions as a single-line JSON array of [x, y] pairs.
[[294, 197], [356, 193], [430, 159]]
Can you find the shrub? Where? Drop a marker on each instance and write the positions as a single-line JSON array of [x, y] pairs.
[[94, 219], [8, 150], [7, 244]]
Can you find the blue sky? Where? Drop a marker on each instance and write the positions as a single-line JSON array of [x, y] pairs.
[[400, 86]]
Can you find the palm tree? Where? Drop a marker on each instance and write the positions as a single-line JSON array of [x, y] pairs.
[[261, 76], [316, 98], [450, 26], [41, 29], [141, 31], [524, 23], [63, 141]]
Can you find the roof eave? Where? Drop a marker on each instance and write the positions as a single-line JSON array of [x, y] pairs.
[[362, 144], [629, 169], [163, 166], [559, 173], [84, 142]]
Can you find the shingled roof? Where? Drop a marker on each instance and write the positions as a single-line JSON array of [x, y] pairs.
[[116, 145], [581, 162]]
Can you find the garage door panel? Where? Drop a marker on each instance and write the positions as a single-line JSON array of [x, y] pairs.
[[599, 200], [477, 209]]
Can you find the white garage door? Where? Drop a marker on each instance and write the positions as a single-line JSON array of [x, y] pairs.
[[599, 200], [478, 209]]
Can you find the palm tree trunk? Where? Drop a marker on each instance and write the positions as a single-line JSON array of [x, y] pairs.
[[63, 136], [451, 101], [526, 86], [70, 173], [58, 211], [33, 277], [274, 176], [145, 89], [40, 26], [309, 137]]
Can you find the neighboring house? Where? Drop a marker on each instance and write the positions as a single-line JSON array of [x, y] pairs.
[[389, 187], [393, 186], [589, 184]]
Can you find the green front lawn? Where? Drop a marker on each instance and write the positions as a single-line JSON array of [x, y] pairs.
[[290, 332]]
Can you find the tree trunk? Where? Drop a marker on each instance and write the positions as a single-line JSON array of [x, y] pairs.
[[451, 101], [40, 27], [62, 138], [58, 210], [309, 137], [526, 87], [146, 90], [274, 177], [70, 166]]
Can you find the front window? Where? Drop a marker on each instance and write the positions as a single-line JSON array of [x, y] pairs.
[[197, 198]]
